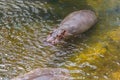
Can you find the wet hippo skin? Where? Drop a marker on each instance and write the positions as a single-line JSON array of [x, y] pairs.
[[46, 74], [74, 24]]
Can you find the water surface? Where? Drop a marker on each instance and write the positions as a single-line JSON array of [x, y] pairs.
[[24, 25]]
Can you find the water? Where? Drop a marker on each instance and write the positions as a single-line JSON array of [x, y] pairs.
[[24, 25]]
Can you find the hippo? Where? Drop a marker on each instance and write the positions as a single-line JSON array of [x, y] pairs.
[[46, 74], [74, 24]]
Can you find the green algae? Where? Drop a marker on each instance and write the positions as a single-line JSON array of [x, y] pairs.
[[116, 75], [103, 55], [95, 56]]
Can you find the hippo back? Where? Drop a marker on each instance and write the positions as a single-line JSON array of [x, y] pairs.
[[78, 21]]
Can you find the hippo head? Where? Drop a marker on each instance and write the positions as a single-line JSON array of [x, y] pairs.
[[56, 36]]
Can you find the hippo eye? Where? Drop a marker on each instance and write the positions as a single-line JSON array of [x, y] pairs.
[[63, 32], [57, 35], [60, 36]]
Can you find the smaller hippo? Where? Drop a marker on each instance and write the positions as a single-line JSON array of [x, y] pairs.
[[74, 24]]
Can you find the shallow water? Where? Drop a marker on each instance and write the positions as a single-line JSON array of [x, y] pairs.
[[24, 25]]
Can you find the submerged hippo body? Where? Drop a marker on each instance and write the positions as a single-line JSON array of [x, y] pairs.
[[45, 74], [75, 23]]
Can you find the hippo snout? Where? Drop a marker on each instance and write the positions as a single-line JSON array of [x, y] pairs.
[[52, 40]]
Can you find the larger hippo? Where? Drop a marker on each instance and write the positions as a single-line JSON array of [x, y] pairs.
[[75, 23], [46, 74]]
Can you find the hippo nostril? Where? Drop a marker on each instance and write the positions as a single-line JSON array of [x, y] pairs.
[[52, 42]]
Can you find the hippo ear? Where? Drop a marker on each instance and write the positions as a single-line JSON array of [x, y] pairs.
[[63, 32]]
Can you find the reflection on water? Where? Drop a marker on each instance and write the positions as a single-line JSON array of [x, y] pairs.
[[24, 26]]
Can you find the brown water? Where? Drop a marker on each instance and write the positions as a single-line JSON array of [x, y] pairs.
[[24, 25]]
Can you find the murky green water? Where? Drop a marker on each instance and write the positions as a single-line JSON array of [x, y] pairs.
[[24, 25]]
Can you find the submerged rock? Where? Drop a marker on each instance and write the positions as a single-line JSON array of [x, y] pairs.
[[46, 74]]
